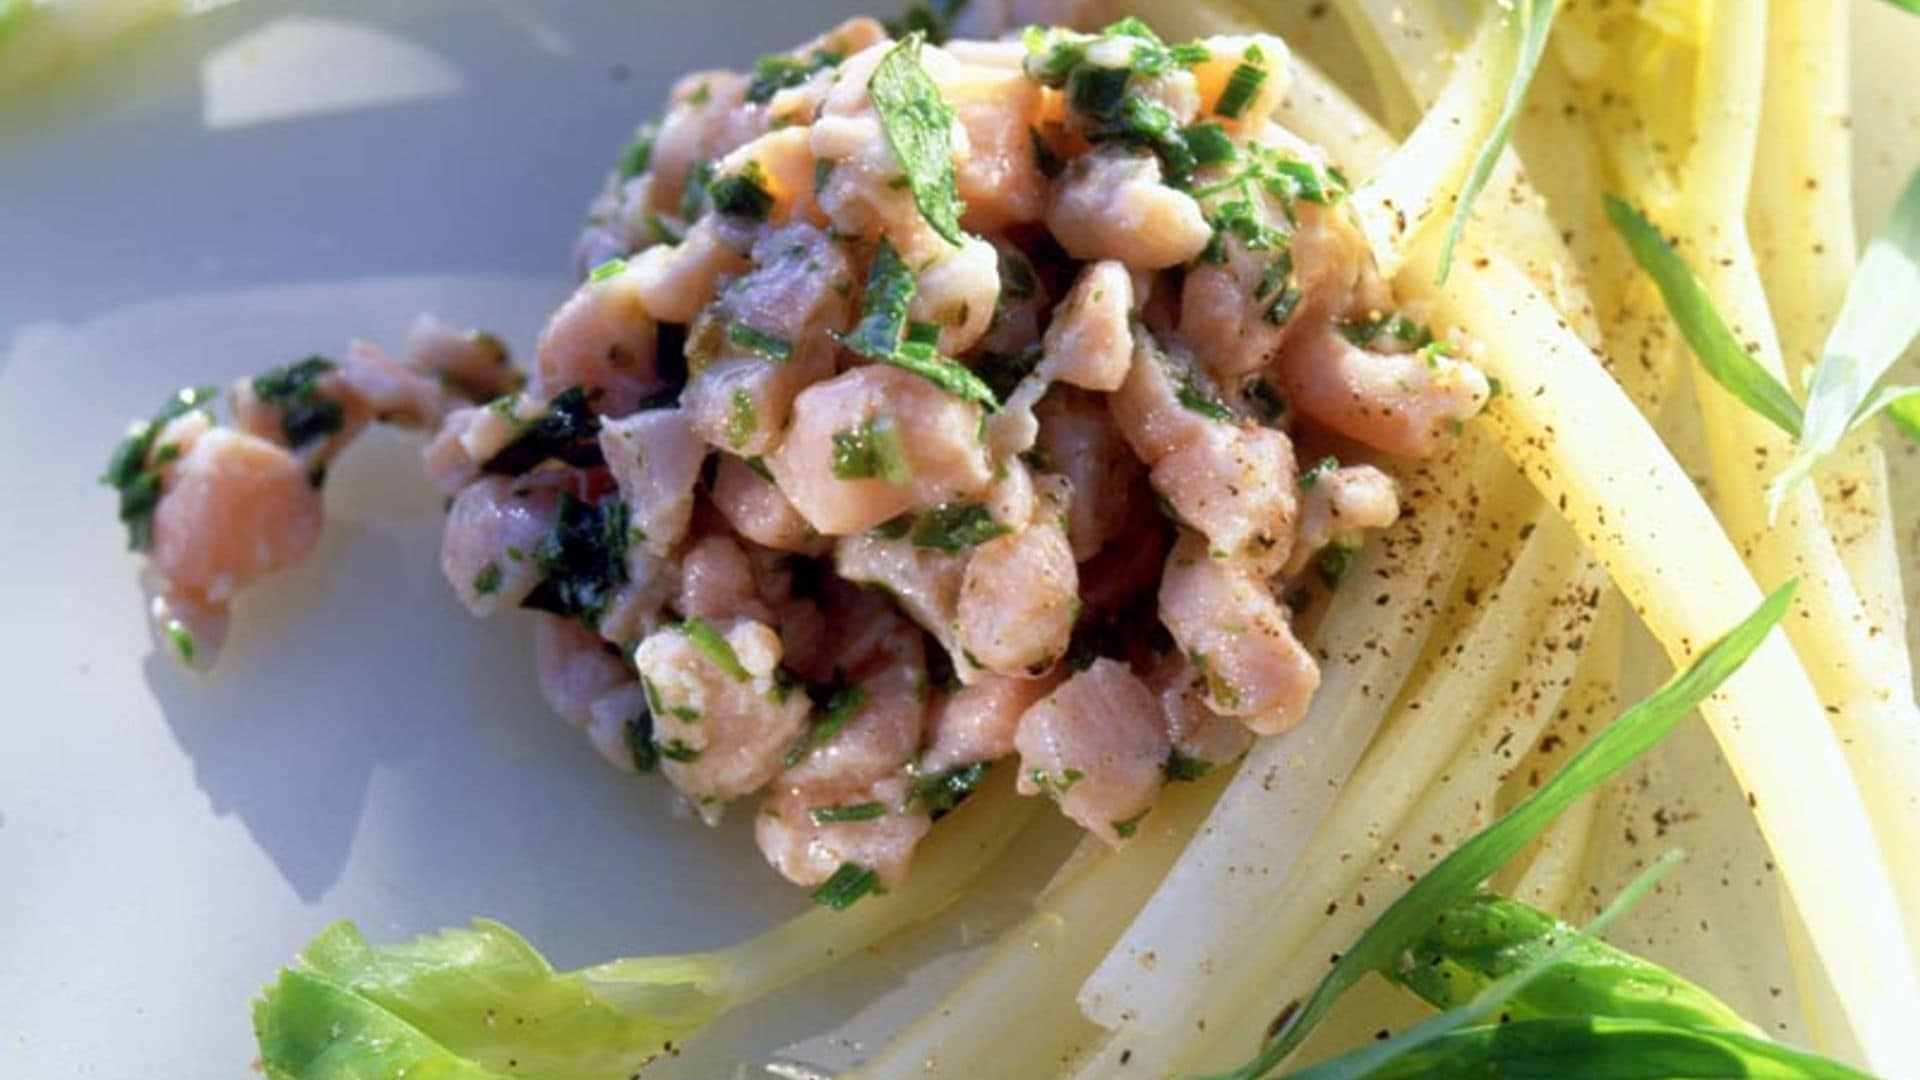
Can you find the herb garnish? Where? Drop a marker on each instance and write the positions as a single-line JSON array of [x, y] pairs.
[[919, 128], [871, 450], [566, 432], [637, 156], [1243, 85], [956, 526], [135, 477], [942, 793], [742, 419], [639, 733], [835, 815], [847, 885], [760, 343], [710, 641], [842, 705], [743, 194], [772, 74], [1183, 768], [294, 390], [583, 557], [884, 333]]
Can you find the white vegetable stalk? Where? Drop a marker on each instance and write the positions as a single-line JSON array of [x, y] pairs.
[[1015, 1015], [1859, 669]]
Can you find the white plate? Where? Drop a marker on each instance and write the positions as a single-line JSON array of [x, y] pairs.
[[215, 196], [238, 190]]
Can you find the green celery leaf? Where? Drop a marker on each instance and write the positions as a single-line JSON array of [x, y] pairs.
[[919, 127], [1532, 22], [1712, 340], [1455, 877]]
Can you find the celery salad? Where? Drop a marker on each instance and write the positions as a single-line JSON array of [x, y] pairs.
[[1319, 451]]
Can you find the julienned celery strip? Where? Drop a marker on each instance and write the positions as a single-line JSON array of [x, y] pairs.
[[1456, 876]]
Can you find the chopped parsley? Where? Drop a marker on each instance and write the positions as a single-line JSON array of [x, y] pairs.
[[566, 432], [1335, 561], [956, 526], [919, 127], [772, 74], [835, 815], [1243, 85], [134, 469], [637, 156], [847, 885], [294, 390], [1108, 97], [181, 639], [742, 419], [1052, 788], [885, 334], [693, 193], [743, 194], [708, 640], [760, 343], [676, 750], [487, 581], [583, 559], [942, 793], [929, 17], [639, 733], [871, 451], [843, 703], [1311, 476], [1393, 326], [1125, 829]]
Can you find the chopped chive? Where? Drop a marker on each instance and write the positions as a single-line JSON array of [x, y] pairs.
[[760, 343], [1242, 87], [833, 815], [710, 641], [846, 887]]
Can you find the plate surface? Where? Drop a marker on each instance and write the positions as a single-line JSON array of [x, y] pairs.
[[222, 194], [238, 190]]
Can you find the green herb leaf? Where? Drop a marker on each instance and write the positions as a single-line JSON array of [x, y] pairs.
[[743, 420], [1878, 322], [583, 557], [919, 127], [1532, 22], [1616, 1048], [942, 793], [1368, 1060], [1242, 86], [566, 432], [743, 194], [1183, 768], [956, 526], [639, 733], [1912, 6], [1125, 829], [294, 390], [762, 344], [883, 306], [847, 886], [1711, 339], [637, 156], [772, 74], [1488, 937], [711, 642], [609, 269], [843, 704], [869, 451], [834, 815], [137, 478], [487, 581], [1456, 876]]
